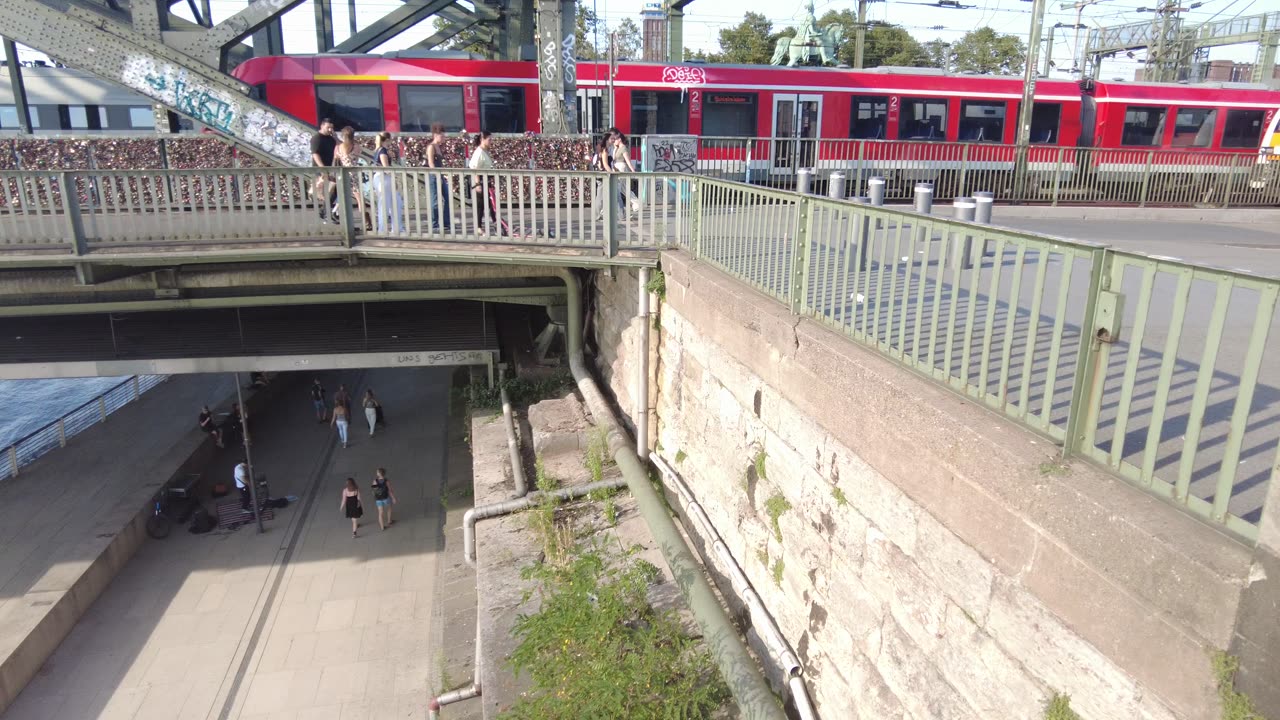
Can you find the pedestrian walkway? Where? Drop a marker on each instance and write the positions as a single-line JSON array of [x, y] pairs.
[[303, 621]]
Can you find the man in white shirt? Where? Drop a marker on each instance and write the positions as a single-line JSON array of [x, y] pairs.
[[242, 484]]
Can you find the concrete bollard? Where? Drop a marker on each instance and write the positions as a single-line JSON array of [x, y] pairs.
[[924, 198], [836, 187], [875, 190], [962, 249], [804, 181]]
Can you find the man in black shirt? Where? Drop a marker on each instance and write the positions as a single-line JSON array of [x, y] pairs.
[[322, 146]]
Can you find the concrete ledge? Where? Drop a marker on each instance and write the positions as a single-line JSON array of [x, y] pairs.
[[1151, 588], [78, 573]]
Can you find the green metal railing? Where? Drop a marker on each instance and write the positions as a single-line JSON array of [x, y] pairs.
[[1151, 367]]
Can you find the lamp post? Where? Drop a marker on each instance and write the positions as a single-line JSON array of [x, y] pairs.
[[1028, 95], [248, 458]]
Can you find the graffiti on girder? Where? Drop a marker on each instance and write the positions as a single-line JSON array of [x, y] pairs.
[[175, 87]]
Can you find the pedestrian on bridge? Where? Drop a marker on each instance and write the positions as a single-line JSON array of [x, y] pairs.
[[322, 146], [437, 185]]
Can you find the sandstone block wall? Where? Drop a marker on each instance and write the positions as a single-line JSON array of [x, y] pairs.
[[922, 564]]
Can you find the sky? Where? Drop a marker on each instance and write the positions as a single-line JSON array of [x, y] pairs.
[[705, 18]]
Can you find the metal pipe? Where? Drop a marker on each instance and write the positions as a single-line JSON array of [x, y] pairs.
[[739, 670], [513, 446], [642, 371], [462, 693], [763, 623], [248, 457], [476, 514]]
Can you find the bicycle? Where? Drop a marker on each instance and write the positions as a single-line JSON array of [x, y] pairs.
[[166, 512]]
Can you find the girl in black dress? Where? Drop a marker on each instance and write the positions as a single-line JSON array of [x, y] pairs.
[[350, 504]]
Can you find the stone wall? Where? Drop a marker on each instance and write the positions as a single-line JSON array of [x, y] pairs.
[[931, 560], [617, 336]]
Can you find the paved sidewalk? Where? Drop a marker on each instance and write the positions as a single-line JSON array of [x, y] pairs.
[[301, 622]]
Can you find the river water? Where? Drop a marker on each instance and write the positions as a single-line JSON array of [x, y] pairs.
[[28, 405]]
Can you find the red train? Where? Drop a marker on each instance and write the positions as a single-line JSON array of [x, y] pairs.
[[408, 94]]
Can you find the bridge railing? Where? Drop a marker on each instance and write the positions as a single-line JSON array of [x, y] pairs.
[[34, 445], [1055, 174], [87, 211], [1154, 368]]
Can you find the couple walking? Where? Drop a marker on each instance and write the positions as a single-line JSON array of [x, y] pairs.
[[383, 496], [342, 409]]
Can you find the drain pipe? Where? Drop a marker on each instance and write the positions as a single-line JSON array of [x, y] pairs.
[[513, 446], [739, 670], [765, 627], [642, 369], [463, 693], [484, 512]]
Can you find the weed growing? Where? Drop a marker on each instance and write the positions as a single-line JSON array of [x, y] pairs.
[[758, 461], [657, 284], [1235, 705], [1059, 708], [680, 456], [611, 512], [597, 454], [774, 507], [1056, 469], [519, 390], [597, 649], [838, 494], [777, 572]]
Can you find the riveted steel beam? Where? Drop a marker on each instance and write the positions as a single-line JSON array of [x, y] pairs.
[[85, 39], [459, 19], [209, 45], [391, 25]]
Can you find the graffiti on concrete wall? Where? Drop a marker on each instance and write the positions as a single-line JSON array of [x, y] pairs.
[[674, 155], [550, 61], [570, 62], [175, 87], [264, 130]]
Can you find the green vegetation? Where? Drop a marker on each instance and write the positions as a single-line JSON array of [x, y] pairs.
[[1059, 708], [777, 572], [1235, 705], [763, 556], [758, 462], [597, 649], [774, 507], [838, 494], [596, 456], [680, 456], [542, 480], [657, 284], [1057, 469], [519, 390], [611, 512]]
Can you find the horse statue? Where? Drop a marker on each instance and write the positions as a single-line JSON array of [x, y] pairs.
[[809, 41]]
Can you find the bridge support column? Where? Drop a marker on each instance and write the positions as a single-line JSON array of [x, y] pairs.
[[557, 66], [1256, 641], [675, 34], [19, 89]]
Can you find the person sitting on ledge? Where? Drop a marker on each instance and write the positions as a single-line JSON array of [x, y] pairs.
[[208, 425]]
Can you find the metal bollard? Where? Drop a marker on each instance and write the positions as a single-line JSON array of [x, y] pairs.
[[875, 190], [836, 188], [804, 181], [924, 198], [964, 208], [985, 200]]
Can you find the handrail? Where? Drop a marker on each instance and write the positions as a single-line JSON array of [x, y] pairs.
[[28, 448]]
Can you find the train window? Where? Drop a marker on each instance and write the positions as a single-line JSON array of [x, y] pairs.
[[502, 109], [359, 106], [1143, 125], [1243, 129], [9, 117], [1193, 127], [922, 120], [867, 117], [142, 118], [82, 117], [422, 106], [1044, 123], [981, 121], [659, 113], [729, 115]]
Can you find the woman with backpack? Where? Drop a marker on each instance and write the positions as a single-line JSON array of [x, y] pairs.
[[384, 497]]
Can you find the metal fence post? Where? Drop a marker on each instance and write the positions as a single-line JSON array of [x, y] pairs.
[[1146, 179], [695, 218], [1057, 175], [102, 407], [137, 388], [62, 432], [344, 208], [746, 168], [964, 169], [862, 154], [800, 255], [1231, 181], [13, 459], [71, 209], [610, 215], [1087, 373]]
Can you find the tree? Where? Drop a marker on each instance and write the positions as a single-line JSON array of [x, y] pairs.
[[988, 52], [702, 56], [939, 54], [627, 40], [751, 42], [889, 45], [586, 28]]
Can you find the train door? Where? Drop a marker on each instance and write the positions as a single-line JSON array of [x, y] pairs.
[[591, 111], [796, 125]]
